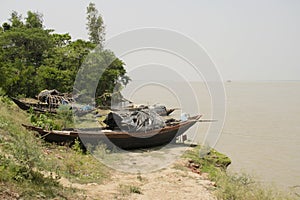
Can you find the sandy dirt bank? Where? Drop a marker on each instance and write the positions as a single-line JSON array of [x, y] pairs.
[[173, 182]]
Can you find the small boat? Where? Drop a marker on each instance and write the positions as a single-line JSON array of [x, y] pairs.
[[47, 101], [45, 108], [166, 112], [161, 110], [119, 138], [37, 107]]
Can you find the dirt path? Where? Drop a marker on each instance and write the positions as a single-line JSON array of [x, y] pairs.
[[174, 182]]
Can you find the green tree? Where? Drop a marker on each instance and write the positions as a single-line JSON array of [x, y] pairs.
[[21, 53], [16, 19], [101, 72], [61, 63], [95, 25], [33, 58], [34, 20]]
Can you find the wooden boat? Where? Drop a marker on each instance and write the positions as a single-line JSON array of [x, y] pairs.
[[37, 107], [44, 107], [121, 139], [165, 112]]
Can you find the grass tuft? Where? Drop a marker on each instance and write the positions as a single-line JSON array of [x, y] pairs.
[[126, 190]]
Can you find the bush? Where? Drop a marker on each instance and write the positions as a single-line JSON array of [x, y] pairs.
[[65, 114], [43, 121]]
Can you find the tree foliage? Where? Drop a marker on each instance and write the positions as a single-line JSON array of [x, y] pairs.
[[95, 25], [33, 58]]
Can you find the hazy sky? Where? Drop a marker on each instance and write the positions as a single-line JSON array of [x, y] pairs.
[[248, 40]]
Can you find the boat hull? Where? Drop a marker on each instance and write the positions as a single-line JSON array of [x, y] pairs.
[[122, 140], [36, 107]]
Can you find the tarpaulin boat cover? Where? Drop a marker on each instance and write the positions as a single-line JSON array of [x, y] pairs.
[[159, 109], [137, 121], [54, 98]]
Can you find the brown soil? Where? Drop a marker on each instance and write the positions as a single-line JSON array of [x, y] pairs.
[[174, 182]]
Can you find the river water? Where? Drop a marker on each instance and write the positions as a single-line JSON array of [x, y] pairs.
[[261, 133]]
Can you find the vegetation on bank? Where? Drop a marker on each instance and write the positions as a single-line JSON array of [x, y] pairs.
[[62, 119], [232, 186], [30, 168]]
